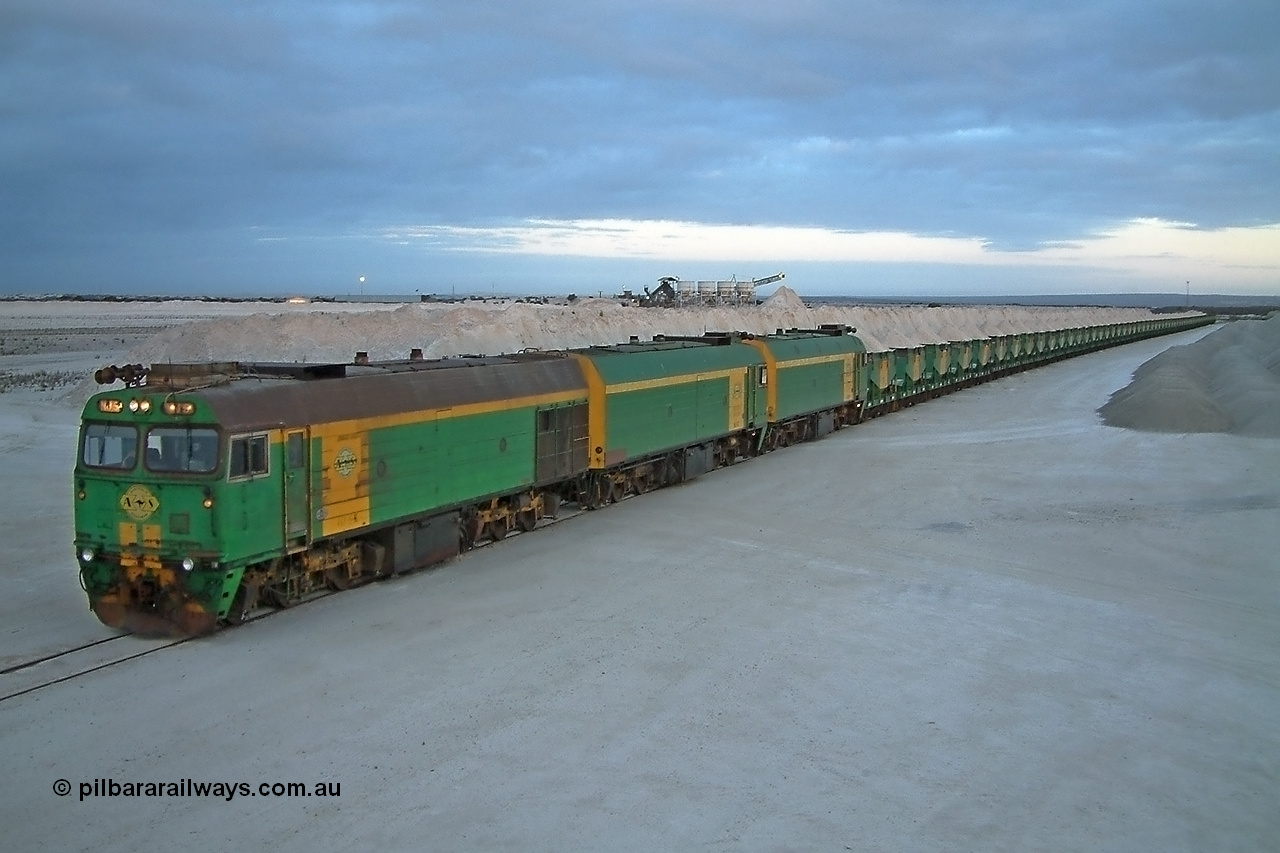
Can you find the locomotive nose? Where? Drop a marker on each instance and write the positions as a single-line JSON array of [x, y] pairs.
[[148, 609], [189, 621]]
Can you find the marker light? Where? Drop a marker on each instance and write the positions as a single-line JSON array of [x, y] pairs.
[[86, 556], [188, 564]]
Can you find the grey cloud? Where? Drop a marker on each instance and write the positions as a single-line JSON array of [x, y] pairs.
[[1011, 121]]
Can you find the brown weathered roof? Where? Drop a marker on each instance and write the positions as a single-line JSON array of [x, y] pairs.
[[263, 402]]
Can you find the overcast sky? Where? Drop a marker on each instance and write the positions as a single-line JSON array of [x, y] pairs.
[[864, 147]]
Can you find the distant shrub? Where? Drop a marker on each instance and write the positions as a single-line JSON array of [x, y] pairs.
[[40, 380]]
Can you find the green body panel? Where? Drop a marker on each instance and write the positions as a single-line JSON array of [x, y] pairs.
[[656, 419], [809, 388], [663, 395], [250, 513], [806, 388], [185, 526], [439, 463], [179, 527]]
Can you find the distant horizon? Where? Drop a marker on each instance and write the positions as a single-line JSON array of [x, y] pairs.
[[1084, 299], [584, 257]]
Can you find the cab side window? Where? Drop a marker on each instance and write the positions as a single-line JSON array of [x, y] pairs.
[[248, 456]]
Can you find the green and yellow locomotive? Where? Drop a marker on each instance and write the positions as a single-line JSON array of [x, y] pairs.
[[206, 490]]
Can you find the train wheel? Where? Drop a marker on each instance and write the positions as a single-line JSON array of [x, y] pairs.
[[497, 530], [527, 519], [338, 578]]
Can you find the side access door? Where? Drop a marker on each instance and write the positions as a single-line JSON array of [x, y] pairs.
[[753, 392], [297, 487], [561, 442]]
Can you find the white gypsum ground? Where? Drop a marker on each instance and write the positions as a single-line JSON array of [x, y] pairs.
[[989, 621]]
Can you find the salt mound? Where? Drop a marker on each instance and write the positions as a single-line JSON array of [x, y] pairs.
[[489, 328], [1228, 381], [784, 298]]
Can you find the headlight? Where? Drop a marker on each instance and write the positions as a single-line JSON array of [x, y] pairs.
[[86, 555], [188, 564]]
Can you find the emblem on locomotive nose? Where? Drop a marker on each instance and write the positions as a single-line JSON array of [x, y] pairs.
[[345, 462], [138, 502]]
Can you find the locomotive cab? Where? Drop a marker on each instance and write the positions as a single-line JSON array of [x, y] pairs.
[[146, 512]]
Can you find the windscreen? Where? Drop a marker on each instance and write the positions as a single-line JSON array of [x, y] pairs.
[[188, 450], [110, 446]]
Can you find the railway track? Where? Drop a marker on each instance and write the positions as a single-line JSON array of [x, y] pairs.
[[68, 664], [37, 673]]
